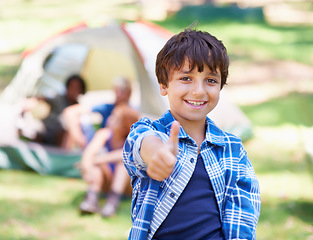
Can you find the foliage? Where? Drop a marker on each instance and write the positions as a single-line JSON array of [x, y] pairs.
[[210, 13]]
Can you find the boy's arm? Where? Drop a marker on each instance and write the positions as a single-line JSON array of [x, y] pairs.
[[160, 156], [135, 165], [242, 208]]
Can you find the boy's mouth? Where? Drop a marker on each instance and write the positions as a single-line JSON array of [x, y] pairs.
[[196, 103]]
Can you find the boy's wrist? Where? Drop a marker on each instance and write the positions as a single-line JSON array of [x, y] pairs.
[[137, 146], [149, 146]]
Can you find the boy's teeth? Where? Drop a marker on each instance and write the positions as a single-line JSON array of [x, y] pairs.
[[196, 103]]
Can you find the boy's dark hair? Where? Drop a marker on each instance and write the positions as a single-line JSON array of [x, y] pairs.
[[199, 48], [78, 78]]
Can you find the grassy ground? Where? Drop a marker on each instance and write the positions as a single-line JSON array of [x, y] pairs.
[[270, 78], [46, 207]]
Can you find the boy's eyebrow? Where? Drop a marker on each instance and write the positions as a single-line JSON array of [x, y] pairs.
[[214, 74]]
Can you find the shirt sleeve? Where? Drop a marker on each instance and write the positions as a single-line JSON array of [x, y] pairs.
[[242, 207], [133, 162]]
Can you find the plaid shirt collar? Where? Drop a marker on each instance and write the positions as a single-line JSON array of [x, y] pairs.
[[213, 134]]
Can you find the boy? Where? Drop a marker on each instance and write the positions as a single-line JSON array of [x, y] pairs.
[[190, 179]]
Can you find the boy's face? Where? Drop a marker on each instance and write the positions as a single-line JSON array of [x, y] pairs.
[[192, 94]]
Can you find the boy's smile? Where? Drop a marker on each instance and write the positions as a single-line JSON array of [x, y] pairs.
[[192, 94]]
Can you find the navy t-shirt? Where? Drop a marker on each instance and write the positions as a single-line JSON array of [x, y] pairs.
[[89, 129], [105, 110], [195, 215]]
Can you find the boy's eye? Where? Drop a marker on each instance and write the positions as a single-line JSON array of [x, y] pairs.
[[185, 78], [211, 80]]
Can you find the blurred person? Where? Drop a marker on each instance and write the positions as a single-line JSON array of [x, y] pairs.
[[49, 110], [101, 169], [80, 133]]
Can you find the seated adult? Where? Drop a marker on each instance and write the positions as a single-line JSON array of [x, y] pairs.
[[100, 169], [51, 131], [80, 134]]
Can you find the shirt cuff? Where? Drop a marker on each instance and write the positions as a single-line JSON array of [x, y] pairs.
[[137, 145]]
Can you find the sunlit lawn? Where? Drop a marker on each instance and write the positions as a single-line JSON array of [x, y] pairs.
[[46, 207], [286, 183], [279, 152]]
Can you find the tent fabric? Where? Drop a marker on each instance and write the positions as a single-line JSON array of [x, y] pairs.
[[99, 55], [41, 159]]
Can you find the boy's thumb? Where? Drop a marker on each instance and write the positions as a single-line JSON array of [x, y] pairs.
[[173, 140]]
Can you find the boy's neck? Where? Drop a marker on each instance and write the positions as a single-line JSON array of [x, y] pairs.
[[195, 131]]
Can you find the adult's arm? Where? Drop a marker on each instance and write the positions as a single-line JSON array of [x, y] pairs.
[[114, 156], [95, 146], [71, 118]]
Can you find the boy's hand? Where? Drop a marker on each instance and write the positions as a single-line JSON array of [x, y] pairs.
[[161, 157]]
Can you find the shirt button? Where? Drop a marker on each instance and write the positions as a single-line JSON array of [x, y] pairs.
[[172, 195], [192, 160]]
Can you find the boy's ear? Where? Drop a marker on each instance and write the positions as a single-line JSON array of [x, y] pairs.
[[163, 90]]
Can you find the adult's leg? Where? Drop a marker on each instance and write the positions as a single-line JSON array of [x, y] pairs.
[[120, 182], [95, 179]]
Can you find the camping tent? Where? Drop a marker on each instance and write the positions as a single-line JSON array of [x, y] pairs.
[[99, 55]]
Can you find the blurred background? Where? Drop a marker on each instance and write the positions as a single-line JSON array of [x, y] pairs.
[[270, 44]]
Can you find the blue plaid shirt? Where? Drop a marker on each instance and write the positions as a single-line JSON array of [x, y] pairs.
[[227, 164]]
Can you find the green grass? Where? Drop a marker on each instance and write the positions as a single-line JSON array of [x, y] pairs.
[[246, 34], [288, 220], [295, 109], [286, 183], [25, 23], [46, 207], [6, 73]]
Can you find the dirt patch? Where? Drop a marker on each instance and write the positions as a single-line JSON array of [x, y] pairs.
[[260, 72], [255, 82]]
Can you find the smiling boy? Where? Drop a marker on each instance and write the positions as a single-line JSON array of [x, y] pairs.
[[190, 179]]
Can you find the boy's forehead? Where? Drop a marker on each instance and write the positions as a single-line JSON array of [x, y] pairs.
[[187, 67]]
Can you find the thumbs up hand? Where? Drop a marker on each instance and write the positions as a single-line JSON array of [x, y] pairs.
[[173, 140], [160, 157]]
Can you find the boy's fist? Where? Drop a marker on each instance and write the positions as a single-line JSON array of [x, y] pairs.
[[163, 155]]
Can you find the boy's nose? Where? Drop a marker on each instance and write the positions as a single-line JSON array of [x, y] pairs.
[[198, 88]]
